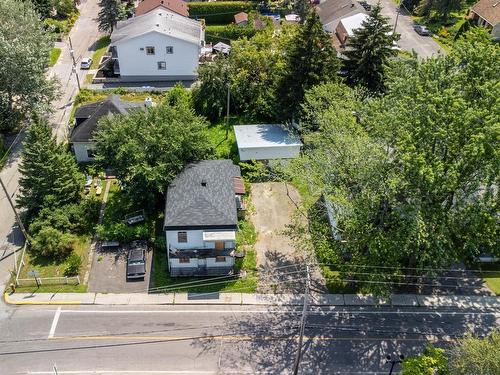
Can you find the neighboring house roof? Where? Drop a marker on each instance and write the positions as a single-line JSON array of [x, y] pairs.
[[264, 135], [353, 22], [240, 17], [92, 113], [177, 6], [203, 196], [161, 21], [330, 12], [489, 10]]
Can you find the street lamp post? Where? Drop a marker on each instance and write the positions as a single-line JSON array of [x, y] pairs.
[[394, 361]]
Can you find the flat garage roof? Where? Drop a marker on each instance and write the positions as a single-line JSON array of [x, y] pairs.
[[264, 135]]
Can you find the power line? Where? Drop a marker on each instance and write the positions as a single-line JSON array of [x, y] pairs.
[[407, 268]]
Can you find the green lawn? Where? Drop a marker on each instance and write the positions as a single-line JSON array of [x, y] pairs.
[[101, 47], [54, 56], [225, 148], [492, 277], [49, 268]]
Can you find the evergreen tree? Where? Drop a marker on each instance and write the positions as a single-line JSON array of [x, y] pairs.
[[369, 50], [310, 60], [111, 12], [43, 7], [49, 175], [302, 8]]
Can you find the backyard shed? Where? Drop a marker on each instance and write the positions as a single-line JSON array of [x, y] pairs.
[[266, 142]]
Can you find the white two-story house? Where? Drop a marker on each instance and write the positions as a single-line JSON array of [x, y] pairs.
[[157, 46], [201, 218]]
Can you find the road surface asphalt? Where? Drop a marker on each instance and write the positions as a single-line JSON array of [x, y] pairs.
[[222, 339]]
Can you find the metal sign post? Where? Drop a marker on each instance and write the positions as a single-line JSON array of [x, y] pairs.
[[34, 274]]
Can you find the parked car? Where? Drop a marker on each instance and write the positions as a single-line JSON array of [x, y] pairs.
[[86, 63], [365, 5], [136, 260], [422, 30]]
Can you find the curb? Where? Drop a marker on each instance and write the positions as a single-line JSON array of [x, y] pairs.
[[10, 302]]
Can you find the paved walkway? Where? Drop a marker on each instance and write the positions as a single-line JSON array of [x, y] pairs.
[[410, 300]]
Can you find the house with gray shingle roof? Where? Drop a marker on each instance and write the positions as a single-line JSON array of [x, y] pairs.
[[87, 119], [201, 218], [486, 13], [159, 45]]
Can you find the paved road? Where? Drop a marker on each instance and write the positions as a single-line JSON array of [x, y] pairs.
[[425, 46], [84, 34], [220, 339]]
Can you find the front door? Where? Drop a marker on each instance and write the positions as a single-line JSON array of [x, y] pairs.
[[219, 245]]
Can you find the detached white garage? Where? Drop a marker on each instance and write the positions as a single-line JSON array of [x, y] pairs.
[[266, 142]]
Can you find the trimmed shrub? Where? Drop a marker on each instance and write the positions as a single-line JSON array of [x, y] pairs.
[[227, 33], [74, 264], [220, 12]]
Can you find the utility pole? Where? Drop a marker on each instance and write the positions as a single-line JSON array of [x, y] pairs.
[[302, 324], [397, 16], [18, 218], [394, 361], [227, 112]]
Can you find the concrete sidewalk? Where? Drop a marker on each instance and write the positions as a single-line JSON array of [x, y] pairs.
[[399, 300]]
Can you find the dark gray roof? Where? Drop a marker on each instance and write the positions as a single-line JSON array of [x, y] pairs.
[[331, 11], [91, 114], [191, 205]]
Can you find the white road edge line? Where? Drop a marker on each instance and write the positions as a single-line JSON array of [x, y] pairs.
[[54, 322]]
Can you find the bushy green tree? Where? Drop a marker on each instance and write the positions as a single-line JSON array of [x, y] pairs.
[[414, 186], [43, 7], [310, 59], [443, 8], [52, 243], [64, 7], [432, 361], [478, 356], [49, 175], [369, 50], [147, 149], [302, 8], [111, 12], [24, 60]]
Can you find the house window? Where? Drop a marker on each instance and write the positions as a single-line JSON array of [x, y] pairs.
[[90, 153], [220, 259], [182, 237], [183, 259], [162, 65], [170, 50], [150, 50]]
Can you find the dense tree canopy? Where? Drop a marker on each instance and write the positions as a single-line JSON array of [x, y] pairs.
[[24, 59], [147, 149], [412, 185], [310, 59], [369, 50], [49, 175]]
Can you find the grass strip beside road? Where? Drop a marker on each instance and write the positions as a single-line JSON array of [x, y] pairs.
[[101, 47], [54, 56], [492, 279]]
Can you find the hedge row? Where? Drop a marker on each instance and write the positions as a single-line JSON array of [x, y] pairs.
[[219, 12], [226, 33]]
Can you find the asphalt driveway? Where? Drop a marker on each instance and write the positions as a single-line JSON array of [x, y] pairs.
[[109, 269], [281, 265], [425, 46]]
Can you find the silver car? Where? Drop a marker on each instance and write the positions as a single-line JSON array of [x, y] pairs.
[[86, 63]]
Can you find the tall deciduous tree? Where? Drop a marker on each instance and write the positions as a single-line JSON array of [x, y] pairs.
[[111, 12], [24, 59], [413, 175], [478, 356], [147, 149], [369, 50], [43, 7], [49, 175], [443, 8], [310, 60], [302, 8]]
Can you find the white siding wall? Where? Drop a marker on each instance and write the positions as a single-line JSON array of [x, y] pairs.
[[194, 240], [134, 62], [268, 153], [80, 150], [228, 263], [174, 262]]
